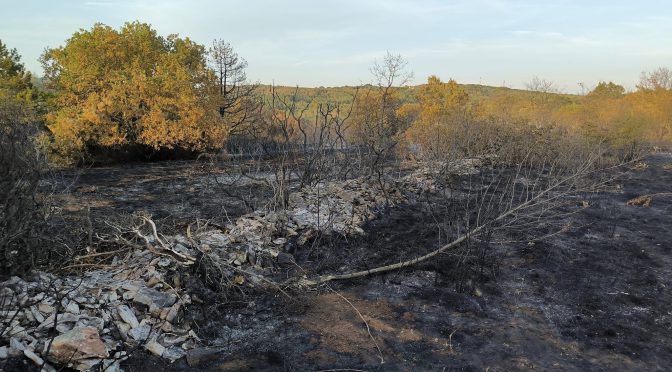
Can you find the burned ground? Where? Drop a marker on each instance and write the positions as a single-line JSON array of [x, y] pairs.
[[593, 298]]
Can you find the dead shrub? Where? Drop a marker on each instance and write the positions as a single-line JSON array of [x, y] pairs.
[[21, 166]]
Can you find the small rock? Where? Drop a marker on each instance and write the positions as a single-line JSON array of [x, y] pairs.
[[126, 314], [197, 356], [91, 321], [149, 297], [87, 364], [112, 296], [167, 327], [140, 333], [164, 262], [105, 315], [28, 315], [38, 361], [18, 332], [78, 344], [36, 314], [72, 308], [189, 344], [123, 328], [4, 352], [62, 318], [155, 348], [173, 353], [153, 281], [131, 286], [83, 300], [64, 327], [16, 347], [172, 313], [172, 340], [111, 366], [45, 308]]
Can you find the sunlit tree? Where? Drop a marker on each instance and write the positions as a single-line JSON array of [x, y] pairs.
[[15, 81], [131, 87]]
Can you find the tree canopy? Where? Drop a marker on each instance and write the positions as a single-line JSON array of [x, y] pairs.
[[131, 87], [607, 90], [15, 81]]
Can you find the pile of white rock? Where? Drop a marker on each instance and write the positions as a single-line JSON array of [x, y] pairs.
[[262, 238], [98, 317]]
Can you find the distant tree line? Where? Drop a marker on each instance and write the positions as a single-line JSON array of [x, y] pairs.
[[132, 93]]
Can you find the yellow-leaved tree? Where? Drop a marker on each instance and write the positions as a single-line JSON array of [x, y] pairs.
[[441, 118], [130, 87], [376, 124]]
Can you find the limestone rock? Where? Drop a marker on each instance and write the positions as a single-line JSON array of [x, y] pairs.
[[141, 332], [38, 361], [77, 344], [87, 364], [16, 347], [72, 308], [155, 348], [154, 298], [126, 314], [173, 353]]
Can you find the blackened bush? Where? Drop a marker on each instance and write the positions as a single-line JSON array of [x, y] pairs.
[[21, 168]]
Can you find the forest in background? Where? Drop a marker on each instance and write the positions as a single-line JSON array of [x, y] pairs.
[[110, 95]]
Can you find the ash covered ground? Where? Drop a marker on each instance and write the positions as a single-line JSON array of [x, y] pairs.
[[594, 298]]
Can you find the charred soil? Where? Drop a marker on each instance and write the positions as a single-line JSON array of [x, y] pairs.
[[594, 298]]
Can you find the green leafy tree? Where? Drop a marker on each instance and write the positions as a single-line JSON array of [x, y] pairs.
[[607, 90], [15, 81]]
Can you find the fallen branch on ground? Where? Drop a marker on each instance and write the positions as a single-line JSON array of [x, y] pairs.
[[544, 200]]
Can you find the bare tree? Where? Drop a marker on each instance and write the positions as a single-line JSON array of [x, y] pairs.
[[391, 73], [541, 85], [524, 195], [22, 166], [541, 90], [238, 100], [378, 124], [661, 78]]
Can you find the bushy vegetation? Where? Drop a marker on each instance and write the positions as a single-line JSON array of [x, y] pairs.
[[21, 208], [132, 92], [130, 87]]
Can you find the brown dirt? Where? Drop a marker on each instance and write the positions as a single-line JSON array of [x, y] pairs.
[[340, 328]]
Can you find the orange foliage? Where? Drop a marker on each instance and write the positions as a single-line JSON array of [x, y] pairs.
[[130, 87]]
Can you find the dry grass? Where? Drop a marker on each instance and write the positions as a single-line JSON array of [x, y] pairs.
[[646, 200]]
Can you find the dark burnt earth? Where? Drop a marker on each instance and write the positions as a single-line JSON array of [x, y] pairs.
[[594, 298]]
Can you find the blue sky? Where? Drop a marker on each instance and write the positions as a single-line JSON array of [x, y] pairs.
[[329, 42]]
